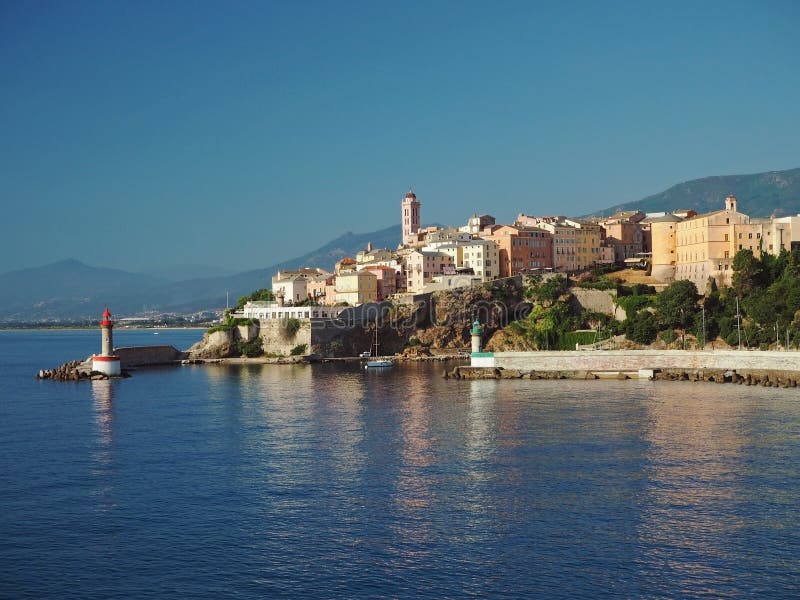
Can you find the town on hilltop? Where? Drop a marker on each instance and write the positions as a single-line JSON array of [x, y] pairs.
[[681, 245]]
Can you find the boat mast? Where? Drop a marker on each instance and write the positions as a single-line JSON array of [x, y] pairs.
[[738, 323]]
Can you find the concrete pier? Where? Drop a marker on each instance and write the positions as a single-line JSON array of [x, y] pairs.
[[744, 367], [636, 360]]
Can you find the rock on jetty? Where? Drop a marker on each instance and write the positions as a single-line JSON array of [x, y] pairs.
[[501, 373], [74, 370], [762, 377]]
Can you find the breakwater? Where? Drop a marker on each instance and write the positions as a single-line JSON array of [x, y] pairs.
[[130, 358], [745, 367]]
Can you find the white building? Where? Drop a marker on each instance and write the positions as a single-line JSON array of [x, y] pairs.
[[422, 266], [292, 287], [483, 257], [265, 311]]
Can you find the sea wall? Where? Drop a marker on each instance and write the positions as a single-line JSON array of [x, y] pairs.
[[635, 360], [278, 338], [600, 301], [140, 356]]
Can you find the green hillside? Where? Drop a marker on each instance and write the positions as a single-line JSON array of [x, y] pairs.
[[774, 193]]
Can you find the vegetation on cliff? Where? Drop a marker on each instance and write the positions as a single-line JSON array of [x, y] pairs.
[[761, 308]]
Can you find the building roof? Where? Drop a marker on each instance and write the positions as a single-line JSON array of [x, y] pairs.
[[667, 218], [411, 194]]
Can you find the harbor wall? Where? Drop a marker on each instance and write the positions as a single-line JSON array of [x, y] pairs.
[[140, 356], [276, 339], [635, 360]]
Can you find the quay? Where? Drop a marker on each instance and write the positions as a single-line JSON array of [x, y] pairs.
[[747, 367]]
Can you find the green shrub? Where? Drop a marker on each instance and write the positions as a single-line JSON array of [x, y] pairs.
[[412, 341], [242, 321], [603, 283], [290, 327], [568, 340], [250, 349], [222, 327], [669, 336], [298, 350], [259, 295], [633, 304]]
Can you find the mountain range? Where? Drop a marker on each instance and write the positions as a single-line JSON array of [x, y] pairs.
[[774, 193], [71, 290]]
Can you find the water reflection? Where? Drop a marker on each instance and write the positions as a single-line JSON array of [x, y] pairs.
[[103, 400], [695, 463], [481, 424], [102, 456]]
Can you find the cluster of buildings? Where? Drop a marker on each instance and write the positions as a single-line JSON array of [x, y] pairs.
[[701, 247], [678, 245]]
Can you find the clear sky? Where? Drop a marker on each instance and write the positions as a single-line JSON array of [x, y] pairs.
[[237, 134]]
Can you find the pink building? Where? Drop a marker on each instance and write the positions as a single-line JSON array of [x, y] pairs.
[[410, 218], [387, 280]]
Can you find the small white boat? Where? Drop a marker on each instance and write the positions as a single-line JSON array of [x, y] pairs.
[[378, 364]]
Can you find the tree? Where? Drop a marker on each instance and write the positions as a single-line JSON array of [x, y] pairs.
[[676, 305], [748, 273], [260, 295], [550, 290], [641, 328]]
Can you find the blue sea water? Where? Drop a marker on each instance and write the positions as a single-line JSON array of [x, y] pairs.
[[326, 481]]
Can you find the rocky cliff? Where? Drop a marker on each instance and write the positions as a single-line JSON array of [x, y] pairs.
[[441, 320]]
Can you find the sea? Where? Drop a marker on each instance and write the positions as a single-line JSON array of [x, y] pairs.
[[327, 481]]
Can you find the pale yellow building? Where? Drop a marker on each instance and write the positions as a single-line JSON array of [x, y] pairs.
[[587, 243], [564, 242], [356, 287], [663, 260], [706, 244], [483, 257]]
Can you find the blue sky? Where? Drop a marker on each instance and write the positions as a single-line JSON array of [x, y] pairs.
[[141, 134]]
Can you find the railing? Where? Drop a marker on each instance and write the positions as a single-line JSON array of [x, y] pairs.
[[606, 344]]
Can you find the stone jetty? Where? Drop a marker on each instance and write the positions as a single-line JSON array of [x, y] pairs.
[[75, 370], [759, 377]]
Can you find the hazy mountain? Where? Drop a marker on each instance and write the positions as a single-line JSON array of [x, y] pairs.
[[70, 289], [214, 292], [66, 289], [759, 195], [183, 272]]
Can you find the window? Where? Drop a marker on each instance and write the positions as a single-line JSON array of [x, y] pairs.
[[726, 237], [750, 236]]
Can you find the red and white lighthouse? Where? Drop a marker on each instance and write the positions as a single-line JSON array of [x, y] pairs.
[[106, 362]]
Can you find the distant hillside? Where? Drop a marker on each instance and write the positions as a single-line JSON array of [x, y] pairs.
[[760, 195], [66, 289], [71, 290]]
